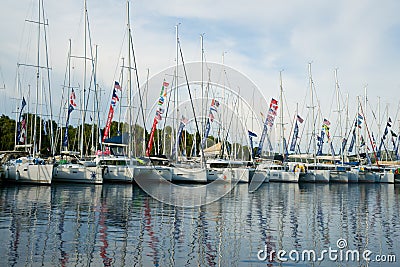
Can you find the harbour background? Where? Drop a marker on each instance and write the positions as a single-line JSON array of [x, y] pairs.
[[120, 225]]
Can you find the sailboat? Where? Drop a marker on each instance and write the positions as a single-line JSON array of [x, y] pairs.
[[279, 170], [72, 167], [117, 162], [341, 172], [183, 170], [224, 167], [32, 168], [315, 172], [219, 165], [115, 168], [366, 172]]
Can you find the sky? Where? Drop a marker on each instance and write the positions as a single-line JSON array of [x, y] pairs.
[[258, 38]]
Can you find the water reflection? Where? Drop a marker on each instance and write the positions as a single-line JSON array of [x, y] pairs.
[[118, 225]]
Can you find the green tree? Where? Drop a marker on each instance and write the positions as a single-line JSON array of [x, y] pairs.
[[7, 133]]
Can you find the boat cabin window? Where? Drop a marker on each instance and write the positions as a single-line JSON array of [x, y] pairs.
[[113, 162], [276, 168], [320, 167], [225, 165]]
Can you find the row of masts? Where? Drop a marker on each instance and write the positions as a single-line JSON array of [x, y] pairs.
[[92, 58], [364, 132]]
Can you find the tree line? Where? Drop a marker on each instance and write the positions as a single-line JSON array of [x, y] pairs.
[[162, 138]]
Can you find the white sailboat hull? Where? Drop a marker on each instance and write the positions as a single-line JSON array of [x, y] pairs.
[[259, 175], [290, 176], [307, 177], [29, 173], [76, 173], [387, 177], [321, 176], [196, 175], [337, 176], [157, 172], [315, 176], [241, 174], [283, 176], [353, 176], [215, 174], [367, 177], [117, 174]]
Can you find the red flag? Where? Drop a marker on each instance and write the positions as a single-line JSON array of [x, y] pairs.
[[150, 143], [300, 119], [108, 123], [72, 98], [326, 122]]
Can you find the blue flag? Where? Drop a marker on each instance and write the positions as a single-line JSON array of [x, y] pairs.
[[353, 140], [295, 136], [178, 138], [206, 133], [65, 140], [262, 138], [332, 149], [320, 143], [19, 128], [251, 135], [269, 121], [285, 149], [344, 142]]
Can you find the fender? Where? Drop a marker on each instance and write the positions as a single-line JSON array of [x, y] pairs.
[[105, 171]]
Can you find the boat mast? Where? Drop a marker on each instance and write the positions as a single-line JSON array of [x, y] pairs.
[[281, 114], [203, 112], [17, 112], [84, 81], [370, 139], [364, 114], [129, 81], [52, 143], [347, 124], [358, 129], [313, 135], [41, 115], [387, 140], [68, 95], [31, 134], [93, 148], [339, 113], [176, 91], [379, 119], [37, 85], [223, 112], [145, 108], [296, 122], [203, 162], [120, 106]]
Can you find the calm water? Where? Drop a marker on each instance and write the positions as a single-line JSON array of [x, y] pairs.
[[119, 225]]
